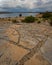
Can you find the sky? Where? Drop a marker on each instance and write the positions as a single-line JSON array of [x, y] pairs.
[[25, 5]]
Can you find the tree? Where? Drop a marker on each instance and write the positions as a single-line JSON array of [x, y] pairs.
[[20, 15]]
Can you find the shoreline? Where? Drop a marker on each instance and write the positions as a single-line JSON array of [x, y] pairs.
[[24, 14]]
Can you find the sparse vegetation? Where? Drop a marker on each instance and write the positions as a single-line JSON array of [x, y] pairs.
[[47, 15]]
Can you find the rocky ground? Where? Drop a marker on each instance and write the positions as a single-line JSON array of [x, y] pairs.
[[25, 44]]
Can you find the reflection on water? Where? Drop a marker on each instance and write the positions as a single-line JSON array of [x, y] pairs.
[[16, 14]]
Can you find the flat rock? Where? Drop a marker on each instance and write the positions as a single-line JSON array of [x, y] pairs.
[[23, 42], [37, 59], [47, 49], [11, 53]]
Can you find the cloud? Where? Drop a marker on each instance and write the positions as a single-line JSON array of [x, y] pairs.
[[29, 4], [15, 3]]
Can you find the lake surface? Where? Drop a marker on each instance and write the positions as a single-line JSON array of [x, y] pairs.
[[16, 14]]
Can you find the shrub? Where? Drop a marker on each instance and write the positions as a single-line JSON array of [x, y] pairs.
[[39, 22], [14, 21], [29, 19], [22, 21], [50, 21], [47, 15], [36, 19], [8, 19]]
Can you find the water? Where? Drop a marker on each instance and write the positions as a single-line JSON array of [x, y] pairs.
[[16, 14]]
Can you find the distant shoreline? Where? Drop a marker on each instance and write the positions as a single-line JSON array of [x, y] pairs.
[[16, 14], [20, 12]]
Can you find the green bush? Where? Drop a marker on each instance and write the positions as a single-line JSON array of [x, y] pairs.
[[29, 19]]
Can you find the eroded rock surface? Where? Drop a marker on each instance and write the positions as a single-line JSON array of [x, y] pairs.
[[26, 44]]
